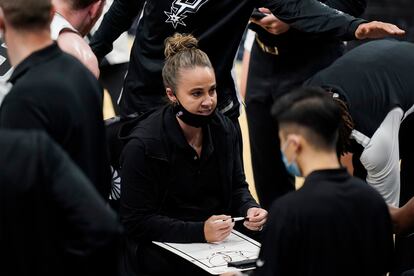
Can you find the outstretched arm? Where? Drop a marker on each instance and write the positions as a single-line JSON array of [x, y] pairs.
[[312, 16], [276, 26], [117, 20], [352, 7]]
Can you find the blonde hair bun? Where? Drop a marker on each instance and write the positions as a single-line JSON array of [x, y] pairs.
[[179, 43]]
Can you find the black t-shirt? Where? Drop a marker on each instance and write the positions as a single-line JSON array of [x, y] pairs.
[[52, 220], [334, 225], [218, 24], [54, 92], [373, 79]]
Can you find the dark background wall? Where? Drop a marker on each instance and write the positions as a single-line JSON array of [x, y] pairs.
[[399, 12]]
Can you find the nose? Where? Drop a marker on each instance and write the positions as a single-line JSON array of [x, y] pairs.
[[207, 102]]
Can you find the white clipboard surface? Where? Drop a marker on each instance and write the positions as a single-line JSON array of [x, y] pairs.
[[213, 257]]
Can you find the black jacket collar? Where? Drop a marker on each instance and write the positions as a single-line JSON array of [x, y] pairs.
[[340, 174], [34, 59], [161, 127], [175, 133]]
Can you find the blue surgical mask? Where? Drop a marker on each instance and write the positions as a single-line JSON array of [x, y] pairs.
[[292, 167]]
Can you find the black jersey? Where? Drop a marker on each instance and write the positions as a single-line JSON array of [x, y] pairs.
[[218, 24], [373, 78], [334, 225]]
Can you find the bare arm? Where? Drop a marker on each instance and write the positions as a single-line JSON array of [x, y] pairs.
[[403, 218], [74, 45]]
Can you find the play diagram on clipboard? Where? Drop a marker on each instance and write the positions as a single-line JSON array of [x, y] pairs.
[[213, 257]]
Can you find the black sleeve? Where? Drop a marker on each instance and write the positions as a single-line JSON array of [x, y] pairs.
[[352, 7], [242, 199], [141, 199], [92, 228], [314, 17], [117, 20]]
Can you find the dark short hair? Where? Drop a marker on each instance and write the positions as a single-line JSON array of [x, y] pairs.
[[27, 14], [313, 110]]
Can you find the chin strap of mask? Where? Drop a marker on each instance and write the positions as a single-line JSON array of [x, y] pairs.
[[189, 118]]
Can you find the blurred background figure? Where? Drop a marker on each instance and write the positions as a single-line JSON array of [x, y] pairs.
[[52, 91], [52, 219]]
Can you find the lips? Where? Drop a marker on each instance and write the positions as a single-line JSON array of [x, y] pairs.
[[205, 112]]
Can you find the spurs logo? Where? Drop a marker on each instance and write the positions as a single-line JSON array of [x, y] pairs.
[[5, 67], [180, 9]]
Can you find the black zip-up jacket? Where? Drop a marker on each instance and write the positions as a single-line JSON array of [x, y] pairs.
[[218, 24], [155, 176]]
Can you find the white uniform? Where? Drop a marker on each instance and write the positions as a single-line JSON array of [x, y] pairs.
[[59, 24]]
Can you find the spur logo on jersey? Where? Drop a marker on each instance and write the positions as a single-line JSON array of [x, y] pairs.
[[180, 9], [5, 67]]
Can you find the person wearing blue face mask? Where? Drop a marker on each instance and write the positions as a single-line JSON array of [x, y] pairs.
[[335, 224], [291, 167]]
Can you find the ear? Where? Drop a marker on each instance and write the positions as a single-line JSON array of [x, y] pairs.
[[296, 141], [171, 95], [52, 13], [2, 23], [96, 8]]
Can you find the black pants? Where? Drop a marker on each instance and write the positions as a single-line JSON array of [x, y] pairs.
[[112, 78], [270, 77]]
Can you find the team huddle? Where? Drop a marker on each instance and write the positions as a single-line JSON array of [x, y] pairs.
[[84, 196]]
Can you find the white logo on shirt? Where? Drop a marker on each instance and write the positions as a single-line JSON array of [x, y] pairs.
[[180, 9]]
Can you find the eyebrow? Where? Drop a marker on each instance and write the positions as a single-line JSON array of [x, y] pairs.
[[202, 88]]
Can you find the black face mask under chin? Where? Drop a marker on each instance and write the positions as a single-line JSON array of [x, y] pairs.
[[191, 119]]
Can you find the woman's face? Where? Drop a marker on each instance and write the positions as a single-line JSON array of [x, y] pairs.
[[196, 90]]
